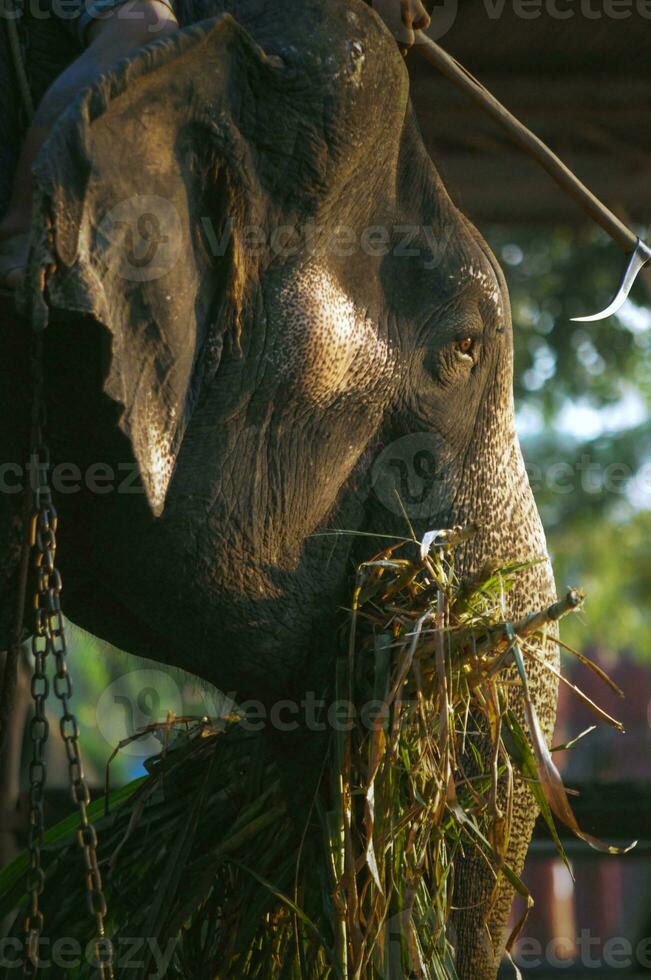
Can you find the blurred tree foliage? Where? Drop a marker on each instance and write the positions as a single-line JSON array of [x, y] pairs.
[[611, 560], [583, 392], [553, 276]]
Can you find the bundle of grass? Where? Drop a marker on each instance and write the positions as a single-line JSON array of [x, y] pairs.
[[204, 857]]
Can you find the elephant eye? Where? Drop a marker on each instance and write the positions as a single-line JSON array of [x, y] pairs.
[[465, 346]]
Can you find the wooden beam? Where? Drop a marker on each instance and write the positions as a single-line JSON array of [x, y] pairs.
[[602, 131]]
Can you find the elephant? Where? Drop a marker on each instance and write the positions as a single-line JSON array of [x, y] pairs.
[[255, 288]]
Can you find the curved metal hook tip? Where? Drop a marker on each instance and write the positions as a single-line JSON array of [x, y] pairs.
[[638, 260]]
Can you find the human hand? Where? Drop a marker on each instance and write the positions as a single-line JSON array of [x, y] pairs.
[[403, 18]]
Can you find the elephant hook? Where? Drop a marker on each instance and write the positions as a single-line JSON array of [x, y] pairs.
[[564, 177], [638, 260]]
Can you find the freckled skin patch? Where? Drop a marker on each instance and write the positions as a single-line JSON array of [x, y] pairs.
[[487, 282], [329, 346], [159, 454]]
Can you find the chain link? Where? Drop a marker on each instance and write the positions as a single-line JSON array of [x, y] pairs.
[[49, 639]]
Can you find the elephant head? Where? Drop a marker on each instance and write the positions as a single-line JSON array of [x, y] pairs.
[[261, 297]]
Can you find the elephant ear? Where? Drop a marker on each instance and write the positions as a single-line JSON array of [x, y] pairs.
[[136, 195]]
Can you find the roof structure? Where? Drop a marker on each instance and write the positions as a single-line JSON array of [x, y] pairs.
[[582, 83]]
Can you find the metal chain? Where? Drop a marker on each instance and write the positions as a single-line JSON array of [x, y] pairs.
[[40, 687], [38, 730], [50, 639]]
